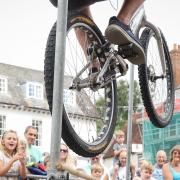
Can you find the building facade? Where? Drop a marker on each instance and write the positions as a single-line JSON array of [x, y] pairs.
[[23, 102]]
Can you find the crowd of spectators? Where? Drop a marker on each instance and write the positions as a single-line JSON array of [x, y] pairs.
[[21, 156]]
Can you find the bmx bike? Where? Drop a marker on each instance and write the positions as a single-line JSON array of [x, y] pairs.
[[90, 98]]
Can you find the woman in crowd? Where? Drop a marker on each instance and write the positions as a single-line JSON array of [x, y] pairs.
[[171, 170], [66, 157], [10, 159], [161, 159]]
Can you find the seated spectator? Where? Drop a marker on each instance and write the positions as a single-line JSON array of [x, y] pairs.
[[161, 159], [11, 161], [97, 171], [119, 145], [171, 170], [146, 172]]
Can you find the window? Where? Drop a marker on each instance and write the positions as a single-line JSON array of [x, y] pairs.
[[38, 125], [3, 85], [68, 97], [34, 90], [2, 124]]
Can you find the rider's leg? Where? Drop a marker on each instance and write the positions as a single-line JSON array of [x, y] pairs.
[[128, 9], [81, 36], [119, 32]]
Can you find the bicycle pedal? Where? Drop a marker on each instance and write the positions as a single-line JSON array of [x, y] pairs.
[[126, 51]]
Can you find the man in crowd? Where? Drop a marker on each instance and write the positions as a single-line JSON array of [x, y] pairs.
[[33, 153]]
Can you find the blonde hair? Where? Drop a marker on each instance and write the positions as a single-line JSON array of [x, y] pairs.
[[47, 161], [22, 144], [97, 166], [70, 160], [3, 148], [119, 132], [147, 166], [121, 151]]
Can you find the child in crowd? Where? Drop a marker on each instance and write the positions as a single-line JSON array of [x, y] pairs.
[[119, 145], [46, 162], [97, 171], [11, 161], [146, 172], [22, 147], [97, 160]]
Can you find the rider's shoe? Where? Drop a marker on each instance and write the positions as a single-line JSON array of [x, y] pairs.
[[119, 33]]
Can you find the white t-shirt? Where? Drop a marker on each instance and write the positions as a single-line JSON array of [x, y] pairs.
[[13, 169], [122, 173]]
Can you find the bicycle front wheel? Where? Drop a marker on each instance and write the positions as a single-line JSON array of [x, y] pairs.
[[157, 88], [89, 114]]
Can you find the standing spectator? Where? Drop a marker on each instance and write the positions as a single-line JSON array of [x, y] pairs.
[[11, 161], [66, 157], [119, 145], [119, 169], [33, 153], [171, 170], [138, 171], [161, 160], [46, 162], [97, 171], [97, 160]]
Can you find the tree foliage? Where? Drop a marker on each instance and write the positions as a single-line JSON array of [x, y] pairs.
[[123, 99], [123, 95]]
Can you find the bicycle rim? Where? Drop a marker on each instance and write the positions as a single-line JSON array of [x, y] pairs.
[[157, 90], [89, 113]]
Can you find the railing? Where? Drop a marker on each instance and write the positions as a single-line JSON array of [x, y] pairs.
[[62, 176], [64, 172], [29, 176]]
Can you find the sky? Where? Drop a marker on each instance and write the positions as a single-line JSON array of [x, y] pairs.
[[25, 25]]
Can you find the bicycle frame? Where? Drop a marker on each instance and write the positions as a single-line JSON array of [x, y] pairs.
[[139, 21]]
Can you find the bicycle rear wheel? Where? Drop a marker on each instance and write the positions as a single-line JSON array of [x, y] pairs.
[[89, 114], [157, 88]]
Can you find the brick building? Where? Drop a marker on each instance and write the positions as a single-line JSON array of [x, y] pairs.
[[175, 57]]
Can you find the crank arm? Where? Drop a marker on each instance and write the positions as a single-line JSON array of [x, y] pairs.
[[105, 67]]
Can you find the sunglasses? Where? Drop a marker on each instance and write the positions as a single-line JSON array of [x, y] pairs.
[[64, 150]]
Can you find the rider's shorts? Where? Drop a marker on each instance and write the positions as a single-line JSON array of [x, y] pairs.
[[75, 5]]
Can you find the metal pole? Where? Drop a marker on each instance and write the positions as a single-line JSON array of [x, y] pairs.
[[56, 128], [130, 112]]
